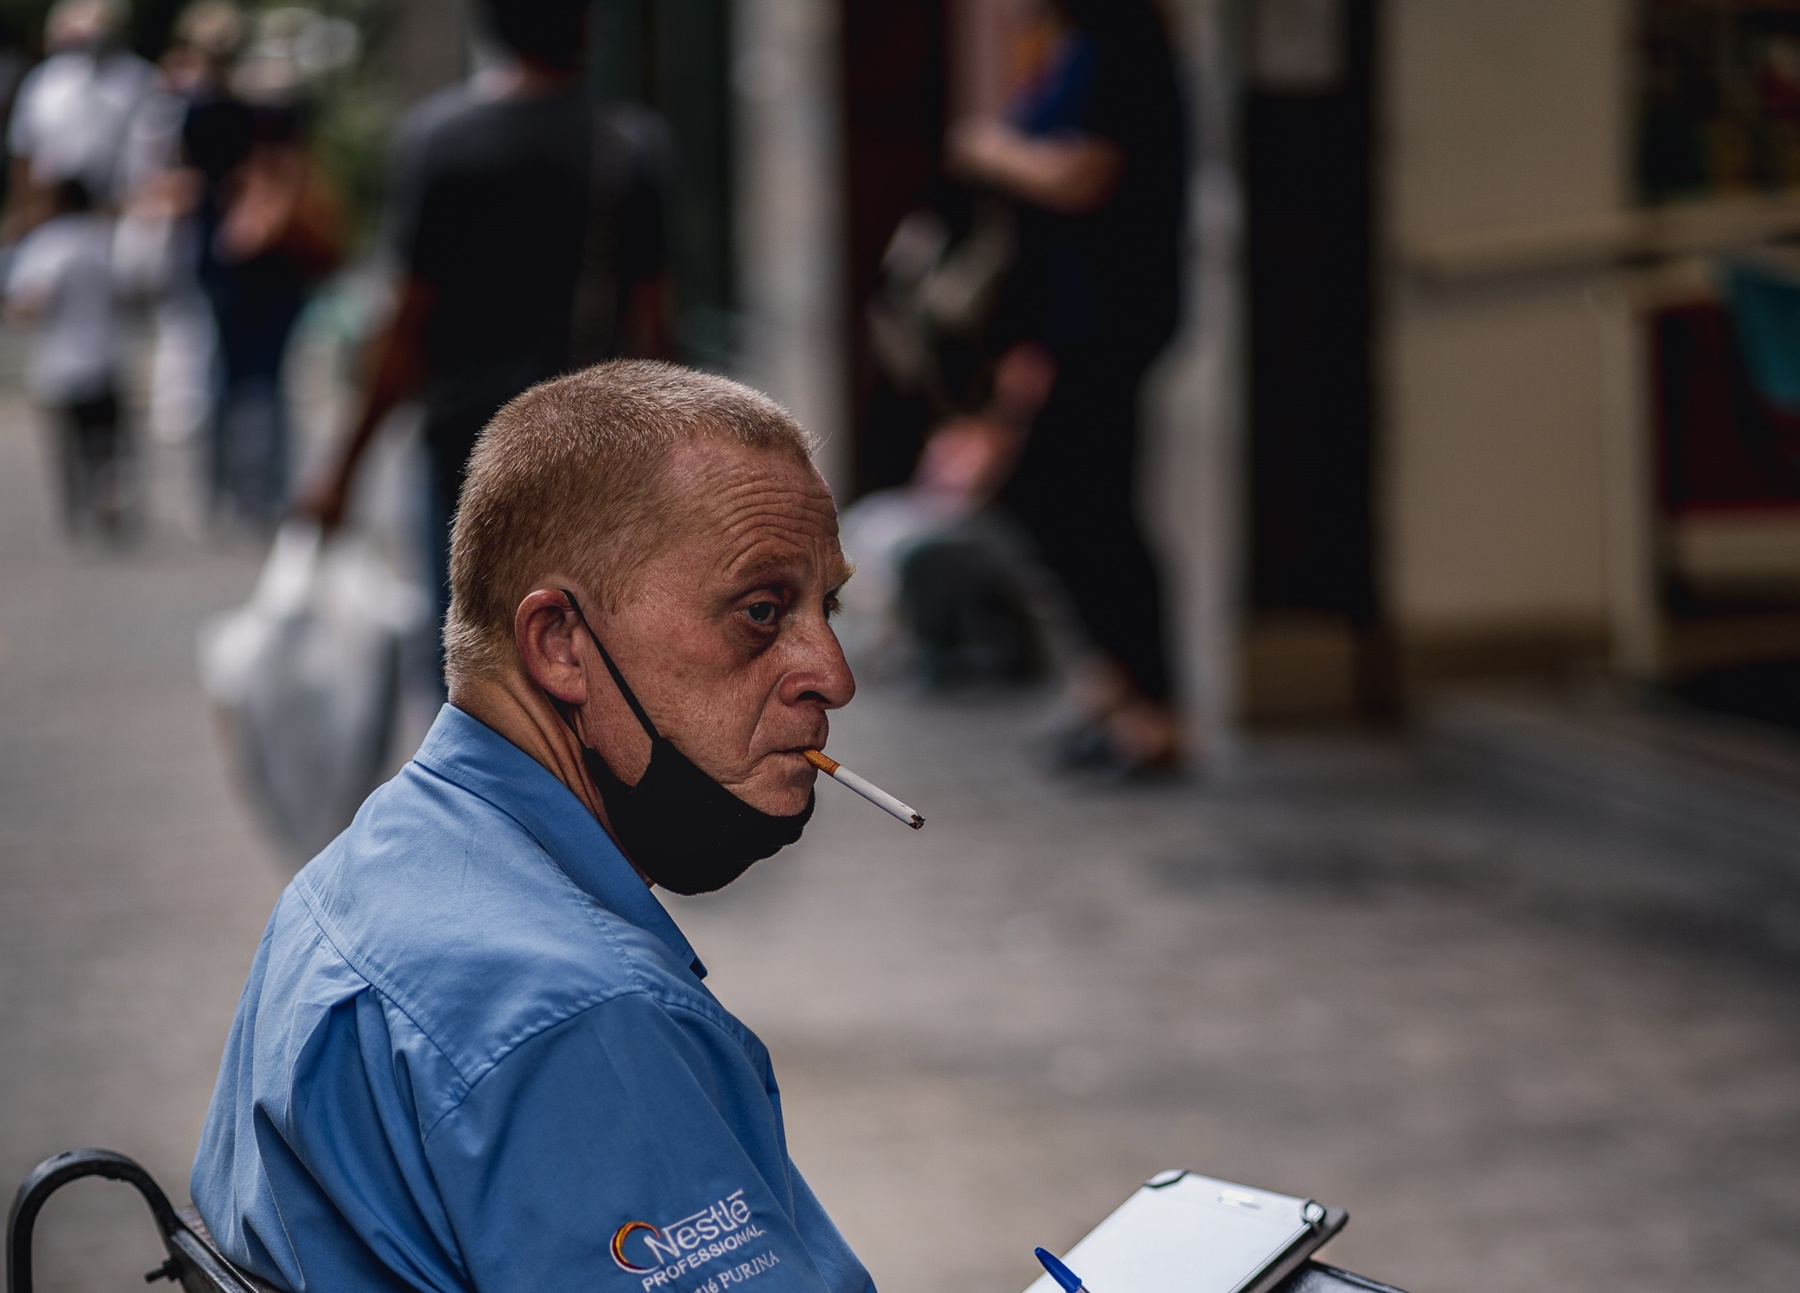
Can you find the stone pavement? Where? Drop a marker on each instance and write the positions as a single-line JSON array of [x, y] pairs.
[[132, 886], [1488, 1030]]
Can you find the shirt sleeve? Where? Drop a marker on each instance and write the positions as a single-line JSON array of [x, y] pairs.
[[408, 175], [21, 131], [33, 272], [634, 1148], [400, 236]]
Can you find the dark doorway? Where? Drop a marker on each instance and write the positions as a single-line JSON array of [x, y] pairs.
[[1308, 178], [893, 58]]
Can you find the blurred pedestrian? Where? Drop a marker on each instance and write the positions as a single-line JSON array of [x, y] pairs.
[[1092, 154], [270, 227], [528, 230], [946, 586], [74, 112], [61, 276], [157, 252]]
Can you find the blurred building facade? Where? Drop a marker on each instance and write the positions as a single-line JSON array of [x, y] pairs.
[[1566, 458], [1516, 440], [1581, 462]]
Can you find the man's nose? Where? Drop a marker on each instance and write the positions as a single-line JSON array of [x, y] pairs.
[[820, 673]]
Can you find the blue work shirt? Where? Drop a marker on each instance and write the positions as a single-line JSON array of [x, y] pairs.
[[474, 1052]]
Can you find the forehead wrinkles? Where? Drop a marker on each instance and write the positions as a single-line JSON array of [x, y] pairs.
[[755, 510]]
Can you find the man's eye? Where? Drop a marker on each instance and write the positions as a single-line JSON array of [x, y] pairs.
[[762, 612], [833, 606]]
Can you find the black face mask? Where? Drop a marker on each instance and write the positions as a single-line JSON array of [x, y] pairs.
[[685, 831]]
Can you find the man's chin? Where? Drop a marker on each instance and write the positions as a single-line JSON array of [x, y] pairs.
[[782, 793]]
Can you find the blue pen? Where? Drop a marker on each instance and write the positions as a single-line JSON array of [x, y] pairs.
[[1070, 1281]]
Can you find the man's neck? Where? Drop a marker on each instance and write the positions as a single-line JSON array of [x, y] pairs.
[[524, 78], [514, 707]]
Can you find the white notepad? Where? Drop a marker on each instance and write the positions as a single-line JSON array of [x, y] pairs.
[[1184, 1233]]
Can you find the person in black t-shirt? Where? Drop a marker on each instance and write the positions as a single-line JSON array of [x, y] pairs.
[[528, 228], [1093, 155]]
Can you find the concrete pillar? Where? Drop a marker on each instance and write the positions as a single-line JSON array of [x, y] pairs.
[[1192, 491], [790, 206]]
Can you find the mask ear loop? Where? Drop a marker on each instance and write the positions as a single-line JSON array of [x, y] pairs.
[[617, 677]]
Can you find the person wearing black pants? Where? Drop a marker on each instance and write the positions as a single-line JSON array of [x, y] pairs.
[[1092, 154], [1075, 491]]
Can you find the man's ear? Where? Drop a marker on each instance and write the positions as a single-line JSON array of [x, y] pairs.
[[545, 630]]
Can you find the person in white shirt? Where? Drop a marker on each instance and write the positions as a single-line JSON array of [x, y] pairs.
[[61, 275], [74, 110]]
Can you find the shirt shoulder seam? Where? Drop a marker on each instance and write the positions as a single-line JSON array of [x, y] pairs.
[[638, 985], [665, 1000], [380, 990], [383, 981], [470, 1077], [503, 1049]]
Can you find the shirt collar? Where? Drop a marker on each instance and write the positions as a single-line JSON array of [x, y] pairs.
[[467, 752]]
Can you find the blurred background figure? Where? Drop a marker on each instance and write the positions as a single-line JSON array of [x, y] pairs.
[[73, 112], [949, 587], [527, 231], [159, 244], [61, 277], [270, 226], [946, 585], [1092, 153]]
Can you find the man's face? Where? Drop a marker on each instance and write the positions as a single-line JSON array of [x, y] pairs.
[[724, 634], [78, 27]]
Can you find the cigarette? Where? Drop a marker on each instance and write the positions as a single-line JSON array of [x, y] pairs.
[[874, 794]]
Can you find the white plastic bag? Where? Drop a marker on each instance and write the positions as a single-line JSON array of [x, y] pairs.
[[143, 255], [305, 678]]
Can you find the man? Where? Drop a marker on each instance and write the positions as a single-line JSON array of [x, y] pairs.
[[473, 1051], [528, 230]]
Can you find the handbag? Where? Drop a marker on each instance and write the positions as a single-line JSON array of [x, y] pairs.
[[944, 276]]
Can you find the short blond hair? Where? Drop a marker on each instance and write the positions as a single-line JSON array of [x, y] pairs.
[[571, 476]]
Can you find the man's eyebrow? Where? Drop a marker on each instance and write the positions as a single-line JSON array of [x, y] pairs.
[[758, 570], [782, 569]]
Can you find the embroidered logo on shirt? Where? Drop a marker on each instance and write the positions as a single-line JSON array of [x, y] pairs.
[[664, 1253]]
